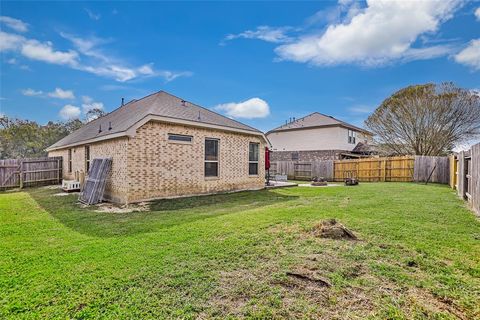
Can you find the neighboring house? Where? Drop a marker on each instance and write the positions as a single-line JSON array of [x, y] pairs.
[[163, 146], [318, 137]]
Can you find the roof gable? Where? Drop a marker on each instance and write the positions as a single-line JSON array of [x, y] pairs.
[[161, 104], [315, 120]]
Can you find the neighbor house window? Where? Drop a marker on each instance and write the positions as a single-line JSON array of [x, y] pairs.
[[179, 138], [69, 160], [211, 157], [253, 158], [87, 158], [351, 136], [295, 156]]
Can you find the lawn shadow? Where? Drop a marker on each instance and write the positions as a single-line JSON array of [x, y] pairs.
[[162, 214]]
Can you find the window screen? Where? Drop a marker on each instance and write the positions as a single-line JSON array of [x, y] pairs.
[[253, 158], [179, 137], [211, 158]]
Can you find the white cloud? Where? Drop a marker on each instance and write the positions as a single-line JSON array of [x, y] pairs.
[[105, 65], [470, 56], [87, 57], [62, 94], [382, 32], [15, 24], [10, 41], [37, 50], [69, 112], [31, 92], [92, 15], [87, 99], [265, 33], [12, 61], [89, 104], [361, 109], [477, 13], [249, 109]]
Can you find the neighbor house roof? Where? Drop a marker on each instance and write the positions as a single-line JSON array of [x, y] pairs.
[[316, 120], [160, 106]]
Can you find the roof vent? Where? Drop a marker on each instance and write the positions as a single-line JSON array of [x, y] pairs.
[[183, 103], [199, 116], [123, 101], [109, 125], [99, 128]]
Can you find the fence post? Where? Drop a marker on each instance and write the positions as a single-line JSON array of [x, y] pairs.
[[383, 173], [58, 171], [21, 174]]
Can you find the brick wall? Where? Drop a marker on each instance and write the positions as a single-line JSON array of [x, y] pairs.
[[306, 155], [159, 168], [117, 186], [149, 166]]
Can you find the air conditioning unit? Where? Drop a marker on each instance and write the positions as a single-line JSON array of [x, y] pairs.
[[70, 185]]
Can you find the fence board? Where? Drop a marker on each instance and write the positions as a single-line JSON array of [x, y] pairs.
[[433, 169], [475, 178], [461, 174], [16, 173], [375, 169], [317, 168]]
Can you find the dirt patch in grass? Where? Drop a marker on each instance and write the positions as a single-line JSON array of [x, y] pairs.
[[430, 303], [332, 229], [111, 208]]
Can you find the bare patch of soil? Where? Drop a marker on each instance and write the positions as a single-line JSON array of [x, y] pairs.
[[111, 208], [333, 230], [310, 278]]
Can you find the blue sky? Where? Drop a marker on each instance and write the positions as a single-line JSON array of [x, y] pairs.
[[259, 62]]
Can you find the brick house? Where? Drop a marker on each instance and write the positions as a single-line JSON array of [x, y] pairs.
[[318, 137], [163, 146]]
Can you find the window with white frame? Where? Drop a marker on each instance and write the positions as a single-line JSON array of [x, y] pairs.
[[211, 157], [352, 136], [253, 152]]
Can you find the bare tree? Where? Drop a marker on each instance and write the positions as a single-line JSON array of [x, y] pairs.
[[93, 114], [426, 119]]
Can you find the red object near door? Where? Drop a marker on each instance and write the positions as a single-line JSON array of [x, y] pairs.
[[267, 158]]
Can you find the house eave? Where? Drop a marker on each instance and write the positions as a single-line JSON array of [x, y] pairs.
[[321, 126], [131, 131]]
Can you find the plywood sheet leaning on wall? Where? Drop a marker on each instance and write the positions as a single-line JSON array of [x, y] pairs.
[[95, 182]]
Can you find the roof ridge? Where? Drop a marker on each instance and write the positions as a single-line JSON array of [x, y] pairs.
[[201, 107], [338, 122]]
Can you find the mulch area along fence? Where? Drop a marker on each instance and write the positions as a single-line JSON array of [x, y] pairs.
[[466, 176], [397, 169], [19, 173]]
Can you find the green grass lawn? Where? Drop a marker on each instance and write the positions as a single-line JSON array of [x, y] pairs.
[[227, 256]]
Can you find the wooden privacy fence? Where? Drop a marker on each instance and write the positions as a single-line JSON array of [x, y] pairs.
[[303, 170], [406, 169], [375, 169], [19, 173], [467, 176]]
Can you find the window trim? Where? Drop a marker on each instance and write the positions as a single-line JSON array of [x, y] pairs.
[[254, 161], [69, 167], [87, 158], [211, 161], [352, 136], [179, 141]]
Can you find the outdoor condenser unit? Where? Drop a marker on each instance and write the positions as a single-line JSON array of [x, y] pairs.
[[70, 185]]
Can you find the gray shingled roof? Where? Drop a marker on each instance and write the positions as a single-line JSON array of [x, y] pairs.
[[157, 104], [315, 120]]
